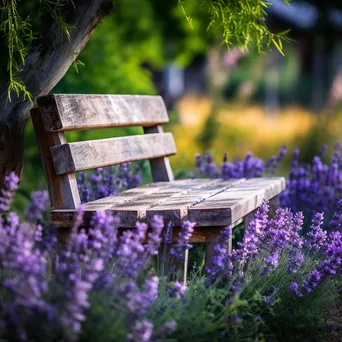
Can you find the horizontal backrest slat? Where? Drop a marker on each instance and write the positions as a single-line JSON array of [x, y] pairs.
[[63, 112], [91, 154]]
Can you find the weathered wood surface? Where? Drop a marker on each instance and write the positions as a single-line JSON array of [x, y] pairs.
[[236, 202], [62, 189], [132, 211], [207, 202], [90, 154], [160, 167], [131, 205], [63, 112], [176, 207]]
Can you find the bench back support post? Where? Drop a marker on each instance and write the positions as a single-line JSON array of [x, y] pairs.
[[62, 189], [160, 167]]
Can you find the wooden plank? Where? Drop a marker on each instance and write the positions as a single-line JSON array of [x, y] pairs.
[[175, 209], [142, 191], [236, 202], [91, 154], [133, 211], [211, 239], [160, 167], [131, 205], [62, 189], [65, 112]]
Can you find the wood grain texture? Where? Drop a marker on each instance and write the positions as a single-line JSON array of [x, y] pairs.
[[160, 167], [135, 210], [63, 112], [205, 201], [131, 205], [236, 202], [91, 154], [175, 209], [62, 189]]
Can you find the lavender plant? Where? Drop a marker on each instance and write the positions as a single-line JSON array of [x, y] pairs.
[[315, 187], [101, 285], [311, 188], [249, 167], [108, 181]]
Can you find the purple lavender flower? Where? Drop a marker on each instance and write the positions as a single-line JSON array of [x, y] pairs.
[[130, 251], [37, 207], [198, 164], [296, 258], [220, 263], [209, 168], [316, 236], [7, 193], [141, 301], [103, 235], [336, 222], [177, 289], [271, 263], [167, 234], [312, 281], [108, 181], [226, 168], [295, 288], [154, 237], [142, 332], [23, 276], [235, 319], [167, 329], [178, 251], [331, 266], [249, 245]]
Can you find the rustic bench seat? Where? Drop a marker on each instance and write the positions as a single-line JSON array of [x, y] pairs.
[[205, 201], [211, 203]]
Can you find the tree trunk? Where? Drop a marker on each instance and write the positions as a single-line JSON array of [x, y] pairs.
[[43, 69]]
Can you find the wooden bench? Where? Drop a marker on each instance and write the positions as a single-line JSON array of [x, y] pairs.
[[212, 204]]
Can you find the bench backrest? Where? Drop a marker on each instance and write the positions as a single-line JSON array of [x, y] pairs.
[[59, 113]]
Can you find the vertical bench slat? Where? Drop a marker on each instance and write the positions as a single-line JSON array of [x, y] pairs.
[[160, 167], [62, 189]]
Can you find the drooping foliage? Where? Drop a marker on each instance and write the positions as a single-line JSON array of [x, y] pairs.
[[238, 22]]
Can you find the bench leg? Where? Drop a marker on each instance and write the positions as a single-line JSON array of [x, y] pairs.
[[274, 204], [211, 240], [168, 266], [248, 219], [186, 261]]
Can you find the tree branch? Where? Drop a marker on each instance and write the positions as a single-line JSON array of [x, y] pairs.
[[43, 69]]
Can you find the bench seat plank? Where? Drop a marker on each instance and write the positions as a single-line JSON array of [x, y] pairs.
[[236, 202], [176, 207], [129, 205], [207, 202]]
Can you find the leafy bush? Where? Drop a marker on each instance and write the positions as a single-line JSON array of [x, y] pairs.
[[100, 286]]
